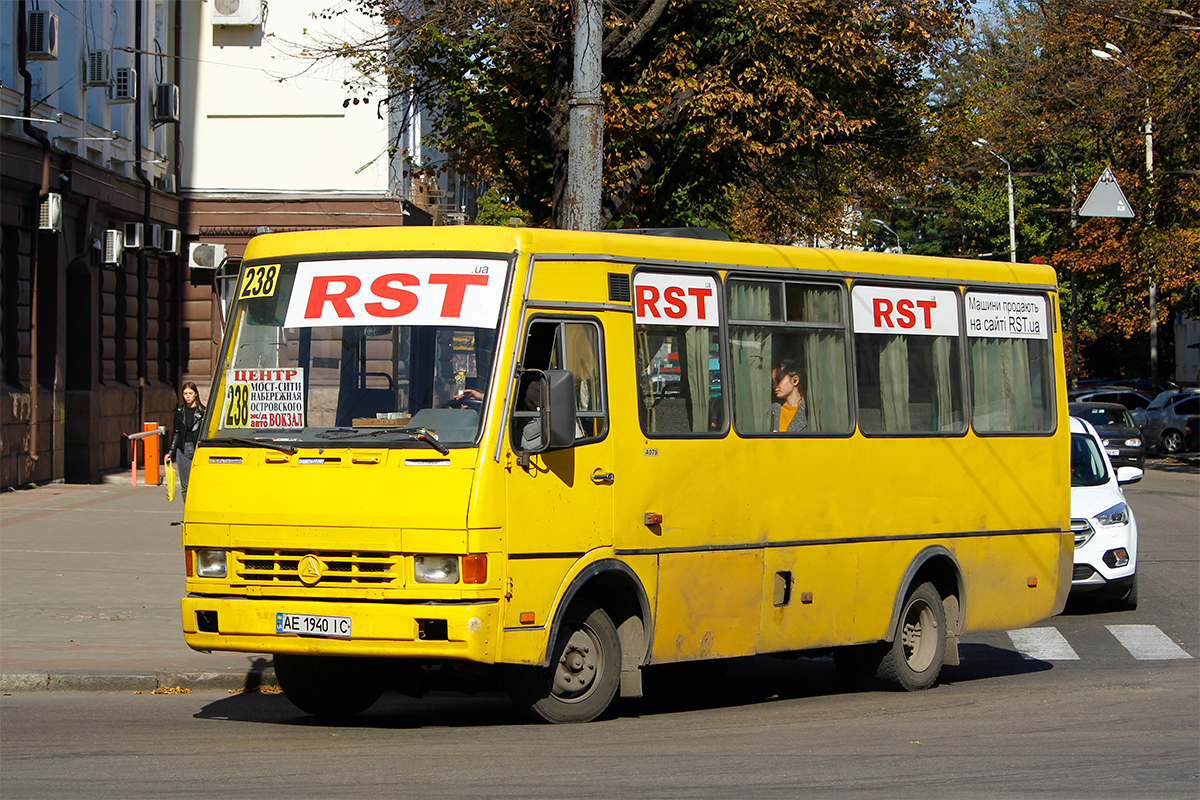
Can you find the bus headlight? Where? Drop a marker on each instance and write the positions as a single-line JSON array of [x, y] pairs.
[[436, 569], [210, 563]]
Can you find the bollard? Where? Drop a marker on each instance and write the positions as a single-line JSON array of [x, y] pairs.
[[150, 455]]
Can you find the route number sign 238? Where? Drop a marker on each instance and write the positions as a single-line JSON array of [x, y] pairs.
[[259, 281]]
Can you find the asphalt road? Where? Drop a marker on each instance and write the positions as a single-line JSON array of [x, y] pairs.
[[1114, 714]]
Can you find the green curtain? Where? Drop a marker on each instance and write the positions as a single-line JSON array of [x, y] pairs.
[[696, 340], [893, 384], [825, 364], [750, 357], [1002, 392]]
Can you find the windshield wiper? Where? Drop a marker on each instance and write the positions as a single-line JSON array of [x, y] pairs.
[[424, 434], [283, 448]]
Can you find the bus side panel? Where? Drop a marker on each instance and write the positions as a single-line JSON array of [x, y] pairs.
[[707, 604], [808, 596], [1005, 567]]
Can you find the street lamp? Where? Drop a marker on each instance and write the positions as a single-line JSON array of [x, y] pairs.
[[1113, 53], [1012, 212], [884, 225]]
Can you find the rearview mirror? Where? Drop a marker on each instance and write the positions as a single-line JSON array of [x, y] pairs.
[[543, 418], [1126, 475]]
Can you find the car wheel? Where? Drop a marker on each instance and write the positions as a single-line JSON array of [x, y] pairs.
[[1171, 441], [1130, 601]]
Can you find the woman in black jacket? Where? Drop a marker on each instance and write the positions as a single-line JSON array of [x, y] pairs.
[[185, 431]]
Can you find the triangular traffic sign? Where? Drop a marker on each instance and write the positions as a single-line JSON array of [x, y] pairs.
[[1107, 199]]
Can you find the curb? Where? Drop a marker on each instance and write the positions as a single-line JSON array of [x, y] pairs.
[[114, 681]]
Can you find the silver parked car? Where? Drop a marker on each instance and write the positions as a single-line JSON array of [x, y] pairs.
[[1165, 427]]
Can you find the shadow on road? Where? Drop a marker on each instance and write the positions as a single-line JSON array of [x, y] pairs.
[[670, 689]]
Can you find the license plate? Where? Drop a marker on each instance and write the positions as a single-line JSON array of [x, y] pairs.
[[1112, 451], [313, 625]]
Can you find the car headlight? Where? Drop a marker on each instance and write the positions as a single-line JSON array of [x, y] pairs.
[[210, 563], [1117, 515], [436, 569], [1133, 442]]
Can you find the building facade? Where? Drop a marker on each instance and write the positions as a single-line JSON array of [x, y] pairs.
[[142, 144]]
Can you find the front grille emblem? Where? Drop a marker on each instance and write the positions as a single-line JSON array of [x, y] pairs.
[[310, 570]]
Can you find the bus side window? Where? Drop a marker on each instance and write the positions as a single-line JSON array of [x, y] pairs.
[[801, 328], [574, 346]]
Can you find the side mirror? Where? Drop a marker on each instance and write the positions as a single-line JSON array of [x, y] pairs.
[[1126, 475], [544, 417]]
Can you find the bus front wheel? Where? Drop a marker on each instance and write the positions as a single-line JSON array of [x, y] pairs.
[[329, 686], [584, 671], [914, 658]]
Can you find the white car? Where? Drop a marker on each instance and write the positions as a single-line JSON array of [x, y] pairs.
[[1106, 536]]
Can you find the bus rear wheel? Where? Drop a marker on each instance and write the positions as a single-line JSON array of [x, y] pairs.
[[914, 658], [583, 675], [329, 686]]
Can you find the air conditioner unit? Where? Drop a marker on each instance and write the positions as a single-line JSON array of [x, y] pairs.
[[124, 85], [50, 213], [166, 102], [202, 255], [97, 68], [172, 241], [134, 233], [43, 36], [237, 12], [114, 247], [154, 234]]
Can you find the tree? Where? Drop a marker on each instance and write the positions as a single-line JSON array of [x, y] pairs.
[[1029, 84], [767, 115]]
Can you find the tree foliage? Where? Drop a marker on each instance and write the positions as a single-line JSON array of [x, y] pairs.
[[1029, 84], [764, 115]]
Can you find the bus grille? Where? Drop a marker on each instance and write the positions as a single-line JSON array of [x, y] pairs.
[[344, 567]]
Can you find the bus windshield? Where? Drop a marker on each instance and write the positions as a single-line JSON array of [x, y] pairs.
[[388, 350]]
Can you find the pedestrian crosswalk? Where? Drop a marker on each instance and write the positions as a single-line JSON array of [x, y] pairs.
[[1143, 642]]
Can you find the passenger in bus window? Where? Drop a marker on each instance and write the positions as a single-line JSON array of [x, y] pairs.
[[790, 415]]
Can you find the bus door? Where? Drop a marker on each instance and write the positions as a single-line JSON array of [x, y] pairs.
[[560, 502]]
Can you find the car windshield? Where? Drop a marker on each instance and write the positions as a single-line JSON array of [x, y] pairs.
[[1088, 467], [387, 350], [1108, 417]]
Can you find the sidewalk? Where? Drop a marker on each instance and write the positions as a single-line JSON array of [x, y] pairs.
[[90, 583]]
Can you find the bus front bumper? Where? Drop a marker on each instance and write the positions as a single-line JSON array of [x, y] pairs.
[[264, 625]]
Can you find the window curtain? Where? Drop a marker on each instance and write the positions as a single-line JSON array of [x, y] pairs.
[[1002, 392], [828, 400], [696, 343], [750, 357], [893, 384], [943, 414]]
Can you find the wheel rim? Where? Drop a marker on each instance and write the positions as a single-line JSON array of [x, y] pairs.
[[919, 635], [579, 665], [1172, 442]]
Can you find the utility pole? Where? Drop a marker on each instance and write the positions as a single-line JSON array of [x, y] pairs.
[[585, 133]]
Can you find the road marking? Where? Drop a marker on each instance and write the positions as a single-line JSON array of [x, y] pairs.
[[1147, 642], [1042, 644]]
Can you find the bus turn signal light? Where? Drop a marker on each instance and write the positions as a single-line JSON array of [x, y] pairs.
[[527, 617], [474, 568], [1032, 582], [652, 519]]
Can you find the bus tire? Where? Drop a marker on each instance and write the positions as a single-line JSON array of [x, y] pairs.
[[329, 686], [584, 671], [915, 655]]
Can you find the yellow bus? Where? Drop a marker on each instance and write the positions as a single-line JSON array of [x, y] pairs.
[[560, 457]]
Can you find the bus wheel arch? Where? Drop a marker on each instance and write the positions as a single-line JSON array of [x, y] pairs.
[[929, 600], [606, 594], [938, 566]]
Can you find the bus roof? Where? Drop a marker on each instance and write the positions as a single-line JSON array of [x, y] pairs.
[[548, 243]]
